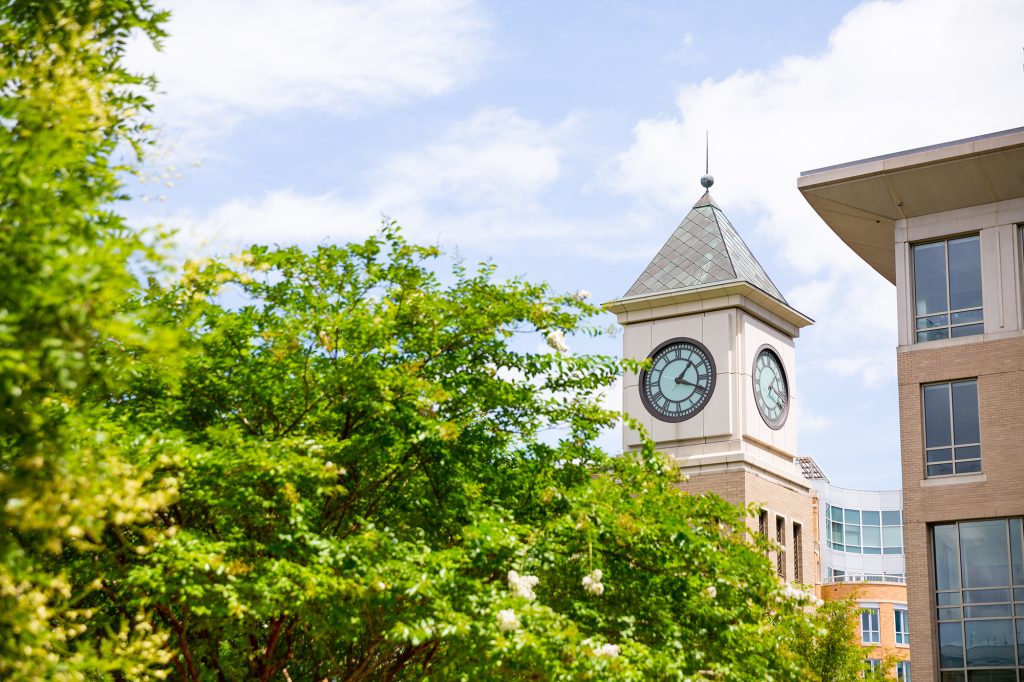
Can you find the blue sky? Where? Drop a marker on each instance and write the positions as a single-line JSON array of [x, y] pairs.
[[565, 140]]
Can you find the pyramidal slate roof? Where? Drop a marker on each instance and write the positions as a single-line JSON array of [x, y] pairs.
[[704, 250]]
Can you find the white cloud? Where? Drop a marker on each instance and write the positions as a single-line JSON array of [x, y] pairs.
[[482, 183], [895, 75], [812, 422], [866, 368], [495, 152], [234, 58]]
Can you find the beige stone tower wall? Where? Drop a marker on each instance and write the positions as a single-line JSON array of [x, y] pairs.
[[782, 502]]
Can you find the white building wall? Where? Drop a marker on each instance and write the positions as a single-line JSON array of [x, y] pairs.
[[851, 563]]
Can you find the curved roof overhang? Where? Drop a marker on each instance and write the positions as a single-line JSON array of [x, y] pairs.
[[862, 200]]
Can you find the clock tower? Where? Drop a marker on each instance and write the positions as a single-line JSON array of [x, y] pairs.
[[719, 394]]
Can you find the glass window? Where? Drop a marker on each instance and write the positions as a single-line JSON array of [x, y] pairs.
[[891, 518], [798, 553], [780, 555], [947, 289], [872, 536], [902, 626], [859, 531], [984, 553], [952, 437], [903, 671], [892, 536], [977, 565], [869, 626], [989, 643]]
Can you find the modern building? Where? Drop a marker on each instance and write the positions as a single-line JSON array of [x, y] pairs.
[[943, 224], [860, 544]]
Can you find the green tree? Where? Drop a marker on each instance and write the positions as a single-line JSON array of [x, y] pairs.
[[371, 455], [318, 465], [67, 109]]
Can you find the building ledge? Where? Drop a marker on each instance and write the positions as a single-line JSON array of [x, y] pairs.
[[959, 479]]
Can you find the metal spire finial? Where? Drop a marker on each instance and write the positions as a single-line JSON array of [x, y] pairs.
[[707, 180]]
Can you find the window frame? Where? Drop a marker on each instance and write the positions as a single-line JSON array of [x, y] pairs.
[[952, 447], [915, 332], [835, 525], [798, 550], [780, 539], [903, 671], [961, 601], [866, 632], [902, 634]]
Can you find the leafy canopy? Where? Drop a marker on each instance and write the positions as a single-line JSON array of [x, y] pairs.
[[326, 464]]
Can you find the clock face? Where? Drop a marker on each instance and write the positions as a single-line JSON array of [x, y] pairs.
[[680, 381], [771, 388]]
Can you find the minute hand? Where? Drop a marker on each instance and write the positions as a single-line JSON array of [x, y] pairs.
[[690, 383]]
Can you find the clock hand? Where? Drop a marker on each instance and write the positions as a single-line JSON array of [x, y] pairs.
[[690, 383], [679, 379], [689, 364]]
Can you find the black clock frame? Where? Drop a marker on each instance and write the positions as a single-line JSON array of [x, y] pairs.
[[711, 384], [757, 398]]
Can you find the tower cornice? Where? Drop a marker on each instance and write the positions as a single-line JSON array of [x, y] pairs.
[[735, 294]]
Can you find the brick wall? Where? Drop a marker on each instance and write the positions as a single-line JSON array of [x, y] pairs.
[[887, 596], [743, 486], [996, 492]]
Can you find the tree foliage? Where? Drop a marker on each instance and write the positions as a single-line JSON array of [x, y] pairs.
[[326, 464], [67, 473]]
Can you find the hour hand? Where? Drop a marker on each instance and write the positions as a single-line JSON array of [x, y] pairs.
[[680, 379]]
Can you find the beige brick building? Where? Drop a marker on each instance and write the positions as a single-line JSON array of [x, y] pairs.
[[944, 225], [878, 630]]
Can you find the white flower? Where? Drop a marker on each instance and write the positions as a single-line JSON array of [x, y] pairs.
[[581, 295], [712, 591], [790, 591], [507, 620], [592, 583], [556, 340], [522, 585], [609, 650]]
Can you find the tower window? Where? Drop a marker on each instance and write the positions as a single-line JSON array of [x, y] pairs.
[[798, 549], [780, 554]]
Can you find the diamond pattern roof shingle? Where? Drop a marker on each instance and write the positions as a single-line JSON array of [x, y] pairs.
[[705, 249]]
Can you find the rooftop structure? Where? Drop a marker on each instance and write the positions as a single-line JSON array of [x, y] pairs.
[[705, 249]]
